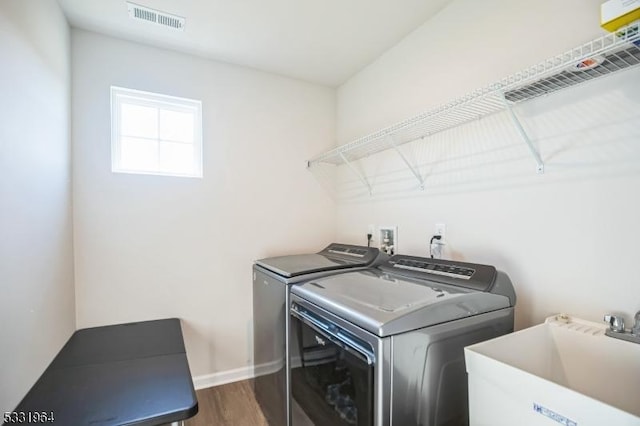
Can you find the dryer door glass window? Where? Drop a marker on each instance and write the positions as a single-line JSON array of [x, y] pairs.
[[330, 382]]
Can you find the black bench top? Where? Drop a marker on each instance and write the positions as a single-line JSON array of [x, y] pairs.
[[127, 374]]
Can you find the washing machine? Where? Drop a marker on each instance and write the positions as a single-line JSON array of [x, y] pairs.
[[272, 280]]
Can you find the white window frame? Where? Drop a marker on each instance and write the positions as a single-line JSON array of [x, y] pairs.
[[160, 101]]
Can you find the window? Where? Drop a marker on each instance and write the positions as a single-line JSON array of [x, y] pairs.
[[155, 134]]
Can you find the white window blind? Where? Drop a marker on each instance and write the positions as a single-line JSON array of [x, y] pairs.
[[155, 134]]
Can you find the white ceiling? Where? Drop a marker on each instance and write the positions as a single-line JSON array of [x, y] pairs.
[[321, 41]]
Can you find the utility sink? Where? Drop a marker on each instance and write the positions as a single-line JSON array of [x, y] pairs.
[[565, 371]]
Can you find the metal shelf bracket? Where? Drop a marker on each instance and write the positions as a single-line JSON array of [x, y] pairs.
[[523, 135], [357, 173], [407, 163]]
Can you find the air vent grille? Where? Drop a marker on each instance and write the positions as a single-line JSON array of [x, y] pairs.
[[155, 16]]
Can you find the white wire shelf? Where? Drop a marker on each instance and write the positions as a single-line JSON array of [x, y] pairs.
[[600, 57]]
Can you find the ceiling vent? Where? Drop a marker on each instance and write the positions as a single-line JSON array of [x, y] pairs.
[[154, 16]]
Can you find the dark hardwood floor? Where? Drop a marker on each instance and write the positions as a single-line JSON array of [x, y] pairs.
[[232, 404]]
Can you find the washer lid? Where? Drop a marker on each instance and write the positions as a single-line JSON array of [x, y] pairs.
[[334, 257], [387, 304]]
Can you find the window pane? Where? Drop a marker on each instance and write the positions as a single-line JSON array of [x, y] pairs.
[[138, 154], [139, 121], [176, 158], [176, 126], [152, 133]]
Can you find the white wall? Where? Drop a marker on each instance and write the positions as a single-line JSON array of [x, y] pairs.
[[151, 247], [568, 238], [36, 271]]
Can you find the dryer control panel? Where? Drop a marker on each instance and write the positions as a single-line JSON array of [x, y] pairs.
[[349, 252]]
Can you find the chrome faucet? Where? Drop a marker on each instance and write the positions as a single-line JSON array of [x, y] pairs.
[[616, 328], [636, 325], [616, 323]]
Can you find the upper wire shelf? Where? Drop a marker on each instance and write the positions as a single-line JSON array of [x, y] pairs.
[[600, 57]]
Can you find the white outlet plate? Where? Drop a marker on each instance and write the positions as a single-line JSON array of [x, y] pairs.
[[371, 230], [436, 250], [437, 246], [388, 239]]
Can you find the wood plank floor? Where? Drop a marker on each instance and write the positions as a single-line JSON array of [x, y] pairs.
[[232, 404]]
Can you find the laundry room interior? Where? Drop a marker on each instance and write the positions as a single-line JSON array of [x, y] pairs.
[[467, 134]]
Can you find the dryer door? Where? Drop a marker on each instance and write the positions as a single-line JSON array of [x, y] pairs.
[[332, 374]]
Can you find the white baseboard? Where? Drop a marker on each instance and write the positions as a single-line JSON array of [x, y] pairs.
[[223, 377], [235, 375]]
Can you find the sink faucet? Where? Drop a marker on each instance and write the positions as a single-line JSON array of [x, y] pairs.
[[636, 326], [616, 328], [616, 323]]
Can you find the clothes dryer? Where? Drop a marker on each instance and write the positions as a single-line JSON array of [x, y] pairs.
[[272, 279]]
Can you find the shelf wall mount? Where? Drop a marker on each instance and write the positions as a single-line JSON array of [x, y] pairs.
[[413, 170], [523, 134], [360, 176]]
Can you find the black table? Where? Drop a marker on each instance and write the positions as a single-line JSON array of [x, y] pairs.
[[127, 374]]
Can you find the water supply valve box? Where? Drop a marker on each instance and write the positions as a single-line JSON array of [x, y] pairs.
[[617, 13]]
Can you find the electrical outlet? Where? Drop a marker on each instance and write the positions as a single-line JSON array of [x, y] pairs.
[[371, 236], [388, 239], [436, 250], [437, 246], [440, 229]]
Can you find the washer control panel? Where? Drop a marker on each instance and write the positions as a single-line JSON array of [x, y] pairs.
[[435, 268], [462, 274]]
